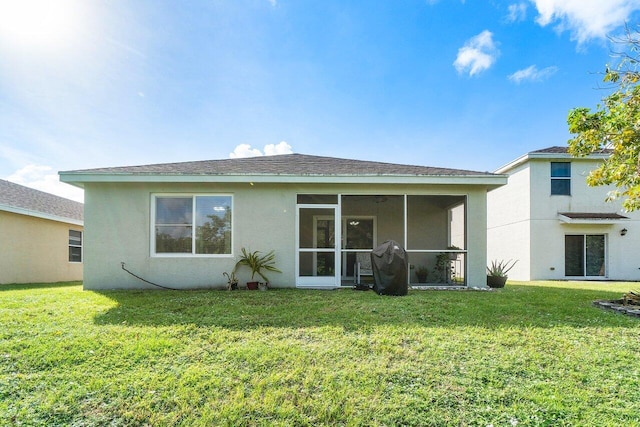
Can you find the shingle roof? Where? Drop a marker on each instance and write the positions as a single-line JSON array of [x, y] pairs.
[[553, 150], [286, 164], [593, 215], [35, 201], [562, 150]]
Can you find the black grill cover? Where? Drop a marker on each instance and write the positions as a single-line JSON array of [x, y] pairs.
[[389, 261]]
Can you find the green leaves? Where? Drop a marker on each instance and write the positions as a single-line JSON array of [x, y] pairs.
[[500, 268], [614, 126], [257, 263]]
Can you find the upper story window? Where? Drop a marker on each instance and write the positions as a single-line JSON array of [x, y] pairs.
[[75, 246], [561, 178], [191, 224]]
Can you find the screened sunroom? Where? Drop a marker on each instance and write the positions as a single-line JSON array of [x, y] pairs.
[[336, 233]]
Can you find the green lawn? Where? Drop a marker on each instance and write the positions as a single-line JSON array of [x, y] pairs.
[[531, 354]]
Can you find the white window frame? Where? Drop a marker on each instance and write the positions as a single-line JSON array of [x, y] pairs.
[[77, 246], [193, 254], [560, 178]]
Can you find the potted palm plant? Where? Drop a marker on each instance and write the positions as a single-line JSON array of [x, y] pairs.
[[497, 273], [258, 264]]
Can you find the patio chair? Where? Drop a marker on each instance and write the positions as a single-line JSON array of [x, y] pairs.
[[362, 266]]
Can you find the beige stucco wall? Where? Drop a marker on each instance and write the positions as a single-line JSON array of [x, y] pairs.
[[35, 250], [117, 222]]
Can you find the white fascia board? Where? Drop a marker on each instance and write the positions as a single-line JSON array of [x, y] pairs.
[[488, 180], [36, 214]]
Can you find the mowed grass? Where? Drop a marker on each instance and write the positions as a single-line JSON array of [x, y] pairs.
[[530, 354]]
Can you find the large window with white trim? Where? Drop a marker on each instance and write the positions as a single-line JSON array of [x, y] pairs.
[[199, 224]]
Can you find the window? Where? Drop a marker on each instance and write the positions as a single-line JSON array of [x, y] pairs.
[[561, 178], [584, 255], [317, 199], [75, 246], [192, 225]]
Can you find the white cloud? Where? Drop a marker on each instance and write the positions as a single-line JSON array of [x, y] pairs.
[[585, 19], [532, 74], [517, 12], [281, 148], [44, 178], [245, 150], [478, 54]]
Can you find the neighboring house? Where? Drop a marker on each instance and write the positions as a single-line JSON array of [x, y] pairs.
[[183, 224], [558, 227], [41, 236]]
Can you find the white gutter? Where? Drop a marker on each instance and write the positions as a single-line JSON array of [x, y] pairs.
[[79, 179]]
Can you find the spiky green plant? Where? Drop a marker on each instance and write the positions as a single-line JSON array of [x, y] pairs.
[[500, 268], [257, 263]]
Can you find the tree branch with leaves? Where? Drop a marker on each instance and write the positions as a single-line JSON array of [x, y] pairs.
[[614, 128]]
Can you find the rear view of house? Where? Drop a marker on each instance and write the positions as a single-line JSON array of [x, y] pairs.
[[41, 236], [184, 224], [557, 226]]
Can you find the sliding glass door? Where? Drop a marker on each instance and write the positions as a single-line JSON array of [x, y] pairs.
[[584, 255]]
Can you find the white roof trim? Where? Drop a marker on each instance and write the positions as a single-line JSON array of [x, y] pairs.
[[604, 221], [37, 214], [79, 179]]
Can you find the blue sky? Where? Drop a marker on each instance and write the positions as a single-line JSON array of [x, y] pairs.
[[463, 84]]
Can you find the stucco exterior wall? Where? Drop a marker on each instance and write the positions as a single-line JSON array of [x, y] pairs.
[[523, 223], [117, 223], [508, 223], [477, 239], [118, 217], [35, 250], [548, 232]]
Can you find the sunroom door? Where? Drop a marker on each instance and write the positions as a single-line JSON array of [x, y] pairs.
[[318, 249]]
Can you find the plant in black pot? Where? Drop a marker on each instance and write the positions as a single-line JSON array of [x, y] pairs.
[[258, 264], [497, 273]]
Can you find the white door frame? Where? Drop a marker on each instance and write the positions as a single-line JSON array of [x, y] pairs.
[[320, 281]]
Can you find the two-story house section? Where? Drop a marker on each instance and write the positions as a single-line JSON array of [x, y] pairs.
[[558, 227]]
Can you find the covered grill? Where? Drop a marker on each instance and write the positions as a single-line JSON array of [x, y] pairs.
[[389, 262]]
